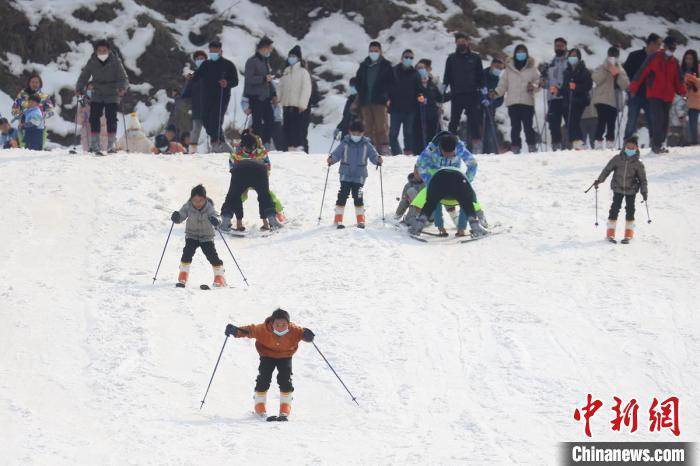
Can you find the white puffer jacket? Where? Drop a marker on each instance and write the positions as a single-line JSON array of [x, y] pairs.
[[513, 83], [294, 89], [608, 89]]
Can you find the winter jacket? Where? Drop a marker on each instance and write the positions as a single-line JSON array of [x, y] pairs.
[[628, 172], [634, 62], [194, 90], [21, 103], [491, 82], [268, 344], [106, 78], [431, 160], [210, 73], [259, 155], [514, 82], [198, 226], [432, 98], [692, 84], [464, 73], [608, 88], [353, 159], [256, 86], [404, 92], [348, 115], [410, 191], [294, 88], [374, 81], [6, 139], [33, 118], [661, 75], [555, 76], [580, 76]]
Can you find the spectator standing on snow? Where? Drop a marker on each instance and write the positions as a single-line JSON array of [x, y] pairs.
[[104, 70], [576, 89], [21, 104], [610, 81], [492, 76], [260, 90], [402, 109], [194, 91], [294, 92], [690, 70], [429, 103], [554, 82], [639, 102], [349, 114]]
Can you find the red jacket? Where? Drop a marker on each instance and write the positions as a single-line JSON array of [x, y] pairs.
[[662, 77]]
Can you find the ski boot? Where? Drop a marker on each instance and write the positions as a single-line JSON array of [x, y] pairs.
[[225, 223], [111, 143], [183, 275], [95, 148], [629, 232], [360, 214], [417, 227], [260, 401], [285, 405], [219, 279], [610, 233], [338, 219], [475, 228], [280, 217], [482, 218], [531, 148], [273, 223]]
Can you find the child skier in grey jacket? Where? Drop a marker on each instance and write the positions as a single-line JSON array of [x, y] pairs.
[[199, 233], [352, 153]]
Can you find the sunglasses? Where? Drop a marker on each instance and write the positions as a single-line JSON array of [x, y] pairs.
[[408, 56]]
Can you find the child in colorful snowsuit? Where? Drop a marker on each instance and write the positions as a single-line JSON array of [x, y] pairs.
[[199, 233], [352, 153], [22, 103], [33, 124], [276, 341], [629, 176]]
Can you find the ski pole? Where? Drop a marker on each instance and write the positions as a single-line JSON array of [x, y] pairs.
[[213, 373], [589, 188], [336, 374], [596, 206], [646, 204], [163, 254], [381, 188], [126, 133], [325, 185], [74, 150], [233, 257]]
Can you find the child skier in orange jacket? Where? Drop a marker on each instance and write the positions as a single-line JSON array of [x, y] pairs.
[[276, 340]]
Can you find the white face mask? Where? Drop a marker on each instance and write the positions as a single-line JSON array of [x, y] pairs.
[[282, 333], [102, 56], [612, 60], [355, 137]]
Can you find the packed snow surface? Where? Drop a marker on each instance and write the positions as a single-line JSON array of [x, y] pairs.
[[473, 354]]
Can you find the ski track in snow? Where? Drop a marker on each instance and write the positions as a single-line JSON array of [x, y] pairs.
[[472, 354]]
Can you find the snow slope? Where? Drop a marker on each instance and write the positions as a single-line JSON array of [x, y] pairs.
[[470, 354]]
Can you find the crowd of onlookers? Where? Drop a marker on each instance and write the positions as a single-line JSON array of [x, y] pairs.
[[587, 102]]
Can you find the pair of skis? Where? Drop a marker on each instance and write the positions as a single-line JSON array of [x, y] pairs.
[[201, 287]]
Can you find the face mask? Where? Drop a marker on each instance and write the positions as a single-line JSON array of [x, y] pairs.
[[352, 90], [521, 56], [612, 60], [497, 72], [267, 54], [103, 56], [559, 53], [573, 61], [423, 73], [198, 62], [280, 334], [213, 56], [374, 56], [630, 152], [89, 93], [669, 53], [292, 60], [461, 48], [407, 62], [355, 137]]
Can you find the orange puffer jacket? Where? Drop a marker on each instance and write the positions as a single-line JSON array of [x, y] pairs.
[[692, 82], [270, 345]]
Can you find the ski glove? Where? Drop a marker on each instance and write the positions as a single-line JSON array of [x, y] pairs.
[[644, 196], [308, 335], [214, 221], [486, 102], [231, 330], [175, 217]]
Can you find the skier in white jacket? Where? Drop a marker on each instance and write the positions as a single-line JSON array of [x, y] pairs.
[[294, 91]]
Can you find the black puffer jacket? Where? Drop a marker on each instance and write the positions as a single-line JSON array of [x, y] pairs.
[[464, 73], [584, 83], [629, 175], [404, 92]]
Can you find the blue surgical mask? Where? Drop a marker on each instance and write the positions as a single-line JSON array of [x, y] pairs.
[[267, 54], [374, 56], [407, 62], [356, 137], [292, 60], [213, 56], [521, 56], [352, 90], [423, 73], [669, 53], [497, 72], [89, 93], [630, 152], [573, 61], [282, 333], [198, 62]]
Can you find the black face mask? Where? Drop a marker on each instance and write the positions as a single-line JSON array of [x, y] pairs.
[[559, 53], [462, 48]]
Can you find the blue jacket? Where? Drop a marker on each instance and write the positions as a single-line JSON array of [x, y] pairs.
[[353, 159], [431, 160], [34, 118], [5, 138]]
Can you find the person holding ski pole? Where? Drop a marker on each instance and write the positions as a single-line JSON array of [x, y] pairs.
[[276, 340], [629, 177], [201, 219]]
